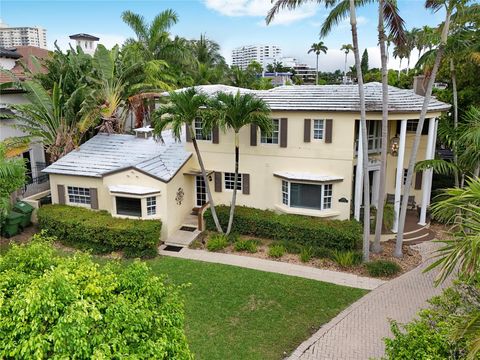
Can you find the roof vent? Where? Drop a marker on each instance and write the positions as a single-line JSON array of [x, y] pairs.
[[144, 132], [419, 84]]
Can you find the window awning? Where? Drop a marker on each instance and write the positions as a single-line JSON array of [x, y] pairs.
[[195, 172], [288, 175], [133, 190]]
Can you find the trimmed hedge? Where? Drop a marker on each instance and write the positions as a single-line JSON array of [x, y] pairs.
[[304, 230], [99, 231]]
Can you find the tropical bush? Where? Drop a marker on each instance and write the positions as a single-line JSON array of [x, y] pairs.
[[246, 245], [303, 230], [437, 332], [380, 268], [323, 253], [217, 242], [276, 251], [346, 259], [99, 231], [306, 254], [57, 307]]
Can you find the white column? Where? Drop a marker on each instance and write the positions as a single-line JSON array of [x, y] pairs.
[[399, 176], [375, 185], [428, 174], [359, 176]]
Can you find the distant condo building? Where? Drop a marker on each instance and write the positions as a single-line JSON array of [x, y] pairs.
[[11, 37], [87, 42], [264, 54]]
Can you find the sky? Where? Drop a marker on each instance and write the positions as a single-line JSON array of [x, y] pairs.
[[231, 23]]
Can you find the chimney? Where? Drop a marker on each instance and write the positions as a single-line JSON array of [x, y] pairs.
[[144, 132], [419, 84]]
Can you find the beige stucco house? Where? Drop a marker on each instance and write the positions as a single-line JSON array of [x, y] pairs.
[[307, 166]]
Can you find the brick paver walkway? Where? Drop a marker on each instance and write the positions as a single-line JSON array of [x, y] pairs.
[[357, 332]]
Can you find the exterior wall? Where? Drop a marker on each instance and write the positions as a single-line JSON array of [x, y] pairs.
[[316, 157], [168, 210]]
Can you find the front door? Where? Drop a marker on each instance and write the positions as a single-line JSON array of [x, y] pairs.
[[200, 191]]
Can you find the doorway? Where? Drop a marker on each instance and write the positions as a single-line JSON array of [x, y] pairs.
[[200, 191]]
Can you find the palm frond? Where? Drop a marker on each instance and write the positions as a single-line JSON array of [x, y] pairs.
[[439, 166]]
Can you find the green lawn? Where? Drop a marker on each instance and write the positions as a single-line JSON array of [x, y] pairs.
[[236, 313]]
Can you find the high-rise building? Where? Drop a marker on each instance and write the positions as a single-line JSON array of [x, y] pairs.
[[11, 37], [264, 54]]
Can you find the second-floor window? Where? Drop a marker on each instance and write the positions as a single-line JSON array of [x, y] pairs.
[[318, 126], [273, 137], [199, 133]]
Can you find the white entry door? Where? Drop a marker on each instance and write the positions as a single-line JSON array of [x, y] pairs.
[[200, 191]]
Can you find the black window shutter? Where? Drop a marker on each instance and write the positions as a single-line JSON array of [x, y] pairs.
[[215, 135], [418, 180], [93, 198], [253, 134], [61, 194], [283, 132], [307, 130], [328, 130], [246, 184], [218, 181]]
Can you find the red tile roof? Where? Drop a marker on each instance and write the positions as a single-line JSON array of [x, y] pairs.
[[26, 52]]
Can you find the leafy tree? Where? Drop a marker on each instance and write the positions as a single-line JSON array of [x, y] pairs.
[[182, 110], [364, 61], [316, 48], [233, 112], [12, 177], [70, 307]]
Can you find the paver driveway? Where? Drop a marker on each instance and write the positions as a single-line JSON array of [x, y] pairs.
[[357, 332]]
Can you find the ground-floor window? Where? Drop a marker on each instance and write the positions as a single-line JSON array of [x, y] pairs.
[[129, 206], [78, 195], [308, 196], [151, 205], [230, 181]]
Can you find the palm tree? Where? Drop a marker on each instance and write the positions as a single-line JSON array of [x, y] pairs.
[[400, 52], [317, 48], [233, 112], [346, 48], [12, 177], [182, 110], [450, 7], [340, 8]]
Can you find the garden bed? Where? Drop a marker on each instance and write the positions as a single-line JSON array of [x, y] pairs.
[[411, 259]]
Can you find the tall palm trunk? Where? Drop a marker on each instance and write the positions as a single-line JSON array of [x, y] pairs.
[[408, 64], [413, 157], [399, 68], [363, 126], [345, 70], [205, 179], [234, 195], [453, 74], [383, 157], [316, 73]]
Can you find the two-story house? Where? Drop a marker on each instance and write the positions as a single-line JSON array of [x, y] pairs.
[[307, 165]]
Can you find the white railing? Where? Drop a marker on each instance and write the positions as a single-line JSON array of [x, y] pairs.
[[374, 144]]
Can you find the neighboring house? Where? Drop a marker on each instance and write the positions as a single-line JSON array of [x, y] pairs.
[[278, 78], [306, 166], [14, 60], [87, 42]]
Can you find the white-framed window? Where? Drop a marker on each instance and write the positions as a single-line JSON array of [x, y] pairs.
[[230, 181], [128, 206], [151, 205], [285, 192], [198, 127], [307, 195], [78, 195], [274, 135], [318, 129]]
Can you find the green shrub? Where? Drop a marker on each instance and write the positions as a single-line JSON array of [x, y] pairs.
[[322, 253], [303, 230], [217, 242], [246, 245], [69, 307], [232, 237], [346, 259], [291, 247], [306, 254], [99, 231], [382, 268], [276, 251]]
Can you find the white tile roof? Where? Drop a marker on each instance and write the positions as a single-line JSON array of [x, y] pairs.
[[104, 154], [333, 98], [307, 176]]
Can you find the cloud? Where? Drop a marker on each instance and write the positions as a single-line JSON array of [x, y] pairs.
[[260, 8], [108, 40]]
